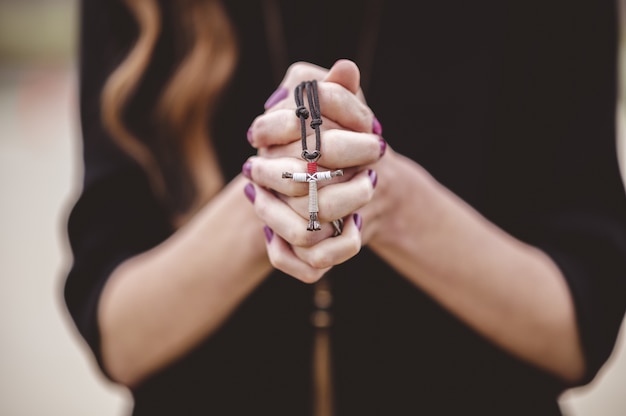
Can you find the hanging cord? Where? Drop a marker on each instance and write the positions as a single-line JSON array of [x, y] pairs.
[[303, 114], [316, 116], [312, 176], [321, 318]]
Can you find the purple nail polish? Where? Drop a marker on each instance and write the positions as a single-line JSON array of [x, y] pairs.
[[377, 128], [277, 96], [247, 169], [358, 220], [249, 135], [269, 233], [383, 147], [373, 177], [250, 192]]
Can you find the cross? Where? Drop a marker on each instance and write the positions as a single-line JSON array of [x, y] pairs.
[[312, 176]]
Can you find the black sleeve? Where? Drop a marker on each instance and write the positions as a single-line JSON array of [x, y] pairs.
[[583, 226], [558, 164], [590, 249], [113, 220], [116, 215]]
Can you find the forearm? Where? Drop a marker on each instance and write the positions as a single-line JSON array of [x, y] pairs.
[[158, 305], [508, 291]]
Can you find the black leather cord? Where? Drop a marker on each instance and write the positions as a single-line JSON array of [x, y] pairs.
[[303, 114]]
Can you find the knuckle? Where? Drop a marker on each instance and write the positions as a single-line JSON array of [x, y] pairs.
[[302, 239], [320, 260], [331, 92], [293, 68], [259, 127], [296, 189], [329, 207], [276, 262], [374, 149], [262, 210], [291, 236], [297, 71], [311, 276], [367, 190], [355, 245], [364, 116], [369, 193], [258, 119]]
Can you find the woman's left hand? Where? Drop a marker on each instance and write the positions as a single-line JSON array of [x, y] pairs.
[[283, 204]]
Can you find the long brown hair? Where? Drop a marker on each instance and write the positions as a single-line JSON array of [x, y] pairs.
[[176, 160]]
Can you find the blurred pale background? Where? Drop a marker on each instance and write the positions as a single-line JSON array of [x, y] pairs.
[[44, 367]]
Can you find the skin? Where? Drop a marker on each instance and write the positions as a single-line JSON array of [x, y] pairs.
[[158, 305], [510, 292]]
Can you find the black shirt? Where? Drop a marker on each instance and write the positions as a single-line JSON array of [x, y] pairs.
[[511, 105]]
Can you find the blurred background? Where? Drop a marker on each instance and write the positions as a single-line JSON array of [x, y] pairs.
[[44, 366]]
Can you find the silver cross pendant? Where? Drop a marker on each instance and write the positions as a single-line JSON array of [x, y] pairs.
[[312, 176]]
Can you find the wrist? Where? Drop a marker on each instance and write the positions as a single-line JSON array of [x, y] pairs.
[[400, 201]]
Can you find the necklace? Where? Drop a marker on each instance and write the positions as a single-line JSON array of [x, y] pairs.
[[321, 318], [322, 297], [312, 175]]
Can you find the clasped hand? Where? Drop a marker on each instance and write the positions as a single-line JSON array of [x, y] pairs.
[[350, 141]]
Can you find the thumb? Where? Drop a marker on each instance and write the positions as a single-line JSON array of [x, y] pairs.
[[345, 73]]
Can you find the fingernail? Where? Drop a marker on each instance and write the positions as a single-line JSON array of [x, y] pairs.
[[358, 221], [269, 234], [383, 146], [249, 135], [247, 170], [278, 95], [373, 177], [250, 192], [377, 128]]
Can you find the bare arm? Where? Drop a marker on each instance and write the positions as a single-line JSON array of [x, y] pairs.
[[158, 305], [508, 291]]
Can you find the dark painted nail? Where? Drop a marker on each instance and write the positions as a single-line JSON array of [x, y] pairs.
[[373, 177], [358, 220], [247, 169], [249, 135], [269, 234], [250, 192], [277, 96], [383, 146], [377, 128]]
